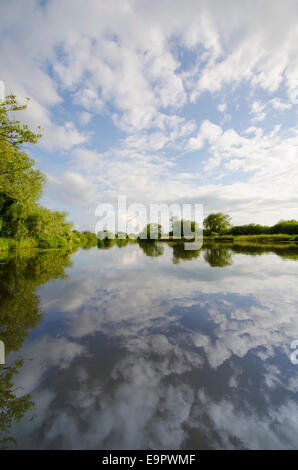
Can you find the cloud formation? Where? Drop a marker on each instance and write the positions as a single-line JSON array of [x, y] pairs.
[[197, 97]]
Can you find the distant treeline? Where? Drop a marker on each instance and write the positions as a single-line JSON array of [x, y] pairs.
[[289, 227], [24, 223], [215, 225], [221, 224]]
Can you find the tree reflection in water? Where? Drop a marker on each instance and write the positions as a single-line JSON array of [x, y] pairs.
[[20, 312]]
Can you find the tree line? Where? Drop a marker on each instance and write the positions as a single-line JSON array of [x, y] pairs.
[[214, 224], [22, 218], [24, 222], [221, 224]]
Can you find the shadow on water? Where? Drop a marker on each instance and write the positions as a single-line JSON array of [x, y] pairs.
[[107, 243], [151, 248], [214, 255], [20, 313]]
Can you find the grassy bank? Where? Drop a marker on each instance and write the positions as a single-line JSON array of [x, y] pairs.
[[262, 238], [70, 241], [7, 244], [256, 239], [86, 240]]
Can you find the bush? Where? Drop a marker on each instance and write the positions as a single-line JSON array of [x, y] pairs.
[[289, 227], [87, 239], [4, 244], [250, 229]]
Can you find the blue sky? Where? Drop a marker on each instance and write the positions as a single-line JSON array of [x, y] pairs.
[[161, 101]]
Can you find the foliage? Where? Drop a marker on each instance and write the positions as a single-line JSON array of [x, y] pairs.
[[121, 242], [21, 217], [250, 229], [105, 243], [4, 244], [19, 304], [218, 256], [289, 227], [86, 239], [13, 407], [20, 183], [184, 228], [20, 312], [13, 131], [285, 251], [105, 234], [121, 235], [217, 222], [151, 248], [180, 253], [152, 231]]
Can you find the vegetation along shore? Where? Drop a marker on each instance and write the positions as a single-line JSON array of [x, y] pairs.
[[25, 224]]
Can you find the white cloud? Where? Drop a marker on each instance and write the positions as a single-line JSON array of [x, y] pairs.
[[85, 117], [128, 62], [277, 104], [258, 111], [72, 188], [209, 132], [222, 107], [47, 352]]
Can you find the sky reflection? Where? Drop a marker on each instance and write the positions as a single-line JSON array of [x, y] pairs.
[[136, 351]]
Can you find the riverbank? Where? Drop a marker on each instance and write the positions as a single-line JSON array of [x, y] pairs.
[[71, 241], [242, 239], [88, 239]]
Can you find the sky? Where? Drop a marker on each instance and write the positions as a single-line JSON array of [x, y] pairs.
[[163, 101]]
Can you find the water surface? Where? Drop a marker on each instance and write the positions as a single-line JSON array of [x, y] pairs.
[[150, 346]]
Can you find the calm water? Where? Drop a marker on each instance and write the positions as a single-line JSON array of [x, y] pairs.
[[150, 347]]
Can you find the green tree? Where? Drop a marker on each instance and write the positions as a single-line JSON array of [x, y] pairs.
[[289, 227], [217, 222], [21, 186], [11, 130], [184, 228], [20, 183], [18, 179], [49, 227], [152, 231]]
